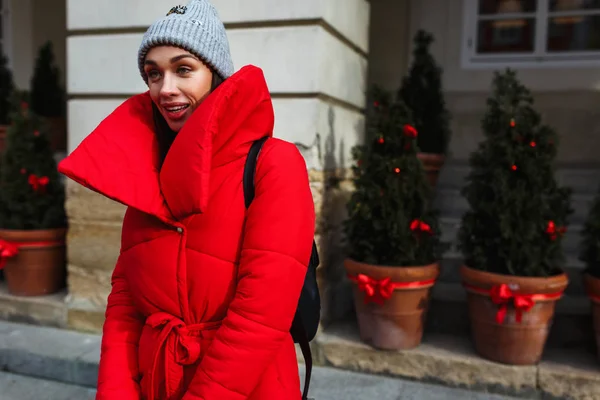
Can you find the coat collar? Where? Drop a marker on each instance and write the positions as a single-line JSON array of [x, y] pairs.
[[119, 159]]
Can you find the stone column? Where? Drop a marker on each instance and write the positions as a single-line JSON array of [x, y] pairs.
[[314, 55]]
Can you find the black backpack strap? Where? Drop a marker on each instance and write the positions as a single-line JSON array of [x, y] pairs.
[[248, 183], [306, 353], [250, 170]]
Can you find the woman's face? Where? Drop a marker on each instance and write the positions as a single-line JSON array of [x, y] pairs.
[[178, 82]]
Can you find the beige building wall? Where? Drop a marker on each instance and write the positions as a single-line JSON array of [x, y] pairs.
[[313, 53], [32, 23]]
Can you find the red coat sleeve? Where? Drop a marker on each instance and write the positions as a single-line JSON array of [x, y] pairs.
[[118, 376], [275, 254]]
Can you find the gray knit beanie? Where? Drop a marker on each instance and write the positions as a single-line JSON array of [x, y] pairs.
[[195, 28]]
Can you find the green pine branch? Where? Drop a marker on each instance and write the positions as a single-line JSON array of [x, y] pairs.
[[422, 92], [47, 95], [7, 88], [514, 198], [26, 202]]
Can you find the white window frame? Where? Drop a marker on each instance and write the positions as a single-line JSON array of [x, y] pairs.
[[6, 30], [537, 59]]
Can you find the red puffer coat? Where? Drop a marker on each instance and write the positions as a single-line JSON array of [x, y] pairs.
[[204, 292]]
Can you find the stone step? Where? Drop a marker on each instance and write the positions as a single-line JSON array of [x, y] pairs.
[[450, 360], [571, 241], [582, 178], [72, 358], [19, 387], [452, 204]]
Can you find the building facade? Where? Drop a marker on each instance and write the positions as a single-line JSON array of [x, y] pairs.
[[319, 58]]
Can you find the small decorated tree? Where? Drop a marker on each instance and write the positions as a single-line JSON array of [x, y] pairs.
[[518, 212], [32, 212], [422, 92], [511, 235], [47, 95], [392, 232], [7, 87], [32, 192]]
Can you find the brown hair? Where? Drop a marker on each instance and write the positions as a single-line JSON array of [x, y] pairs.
[[166, 135]]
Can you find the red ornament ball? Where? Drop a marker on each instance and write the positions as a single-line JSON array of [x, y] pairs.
[[410, 131]]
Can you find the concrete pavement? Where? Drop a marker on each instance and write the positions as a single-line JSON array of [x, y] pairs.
[[327, 384]]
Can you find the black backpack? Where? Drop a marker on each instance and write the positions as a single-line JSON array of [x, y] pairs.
[[308, 313]]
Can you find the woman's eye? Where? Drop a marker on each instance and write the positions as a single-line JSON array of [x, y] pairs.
[[183, 70], [153, 74]]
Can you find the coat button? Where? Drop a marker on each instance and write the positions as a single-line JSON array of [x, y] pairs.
[[179, 229]]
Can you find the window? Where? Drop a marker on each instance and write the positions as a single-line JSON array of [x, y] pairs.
[[531, 32]]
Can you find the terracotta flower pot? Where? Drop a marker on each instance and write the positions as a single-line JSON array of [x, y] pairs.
[[432, 163], [592, 288], [395, 322], [511, 316], [37, 266]]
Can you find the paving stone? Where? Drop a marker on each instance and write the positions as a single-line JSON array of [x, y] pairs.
[[49, 353], [570, 375], [16, 387], [39, 310]]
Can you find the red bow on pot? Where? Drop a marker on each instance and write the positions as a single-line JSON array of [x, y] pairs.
[[502, 295], [7, 250], [375, 290]]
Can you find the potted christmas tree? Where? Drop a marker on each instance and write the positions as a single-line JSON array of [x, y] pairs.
[[422, 92], [48, 97], [6, 91], [32, 214], [590, 255], [392, 231], [511, 235]]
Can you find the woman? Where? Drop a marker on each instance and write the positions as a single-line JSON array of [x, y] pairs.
[[204, 291]]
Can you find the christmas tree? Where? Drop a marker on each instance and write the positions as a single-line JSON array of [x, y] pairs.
[[31, 192], [391, 220], [422, 92], [6, 89], [518, 213], [590, 244], [47, 96]]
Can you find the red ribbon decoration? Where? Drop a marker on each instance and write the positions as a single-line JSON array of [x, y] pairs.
[[410, 131], [7, 250], [11, 249], [554, 231], [418, 225], [38, 182], [502, 295], [378, 291]]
